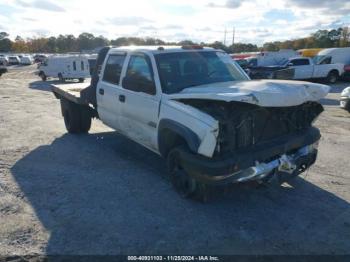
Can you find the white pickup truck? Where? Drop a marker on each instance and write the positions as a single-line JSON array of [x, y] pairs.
[[307, 68], [198, 109]]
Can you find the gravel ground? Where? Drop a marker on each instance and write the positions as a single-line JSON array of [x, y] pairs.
[[103, 194]]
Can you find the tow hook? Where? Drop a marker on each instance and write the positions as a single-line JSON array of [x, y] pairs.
[[286, 164]]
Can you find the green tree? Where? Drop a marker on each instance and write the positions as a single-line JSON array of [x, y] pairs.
[[5, 42]]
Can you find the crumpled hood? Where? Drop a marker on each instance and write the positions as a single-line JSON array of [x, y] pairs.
[[266, 93]]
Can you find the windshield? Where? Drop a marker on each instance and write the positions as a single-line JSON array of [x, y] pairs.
[[180, 70], [252, 61], [318, 59]]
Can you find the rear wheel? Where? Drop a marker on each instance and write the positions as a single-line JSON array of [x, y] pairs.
[[43, 76], [60, 78], [184, 183], [332, 77], [76, 118]]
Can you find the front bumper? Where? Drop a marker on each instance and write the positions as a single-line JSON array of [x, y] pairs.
[[291, 154]]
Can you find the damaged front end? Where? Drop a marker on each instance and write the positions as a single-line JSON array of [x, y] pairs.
[[255, 142]]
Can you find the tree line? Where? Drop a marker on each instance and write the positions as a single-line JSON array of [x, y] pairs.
[[86, 41]]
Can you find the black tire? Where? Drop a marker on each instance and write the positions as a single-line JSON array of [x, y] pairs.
[[81, 80], [347, 106], [184, 183], [43, 76], [332, 77], [76, 118], [60, 78], [85, 120]]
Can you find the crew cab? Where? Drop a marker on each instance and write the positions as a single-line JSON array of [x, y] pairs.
[[308, 68], [198, 109]]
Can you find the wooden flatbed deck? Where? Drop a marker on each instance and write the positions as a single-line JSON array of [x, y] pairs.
[[70, 91]]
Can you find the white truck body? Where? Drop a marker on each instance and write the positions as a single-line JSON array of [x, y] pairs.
[[68, 67], [337, 55], [305, 68], [153, 96]]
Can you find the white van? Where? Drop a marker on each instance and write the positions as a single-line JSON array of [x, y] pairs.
[[26, 60], [65, 67], [336, 56]]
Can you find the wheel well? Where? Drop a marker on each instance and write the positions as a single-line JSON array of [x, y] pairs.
[[168, 140], [334, 71], [172, 133]]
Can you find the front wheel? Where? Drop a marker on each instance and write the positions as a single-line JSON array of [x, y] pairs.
[[60, 78], [184, 183], [43, 76], [347, 106], [81, 80], [332, 77]]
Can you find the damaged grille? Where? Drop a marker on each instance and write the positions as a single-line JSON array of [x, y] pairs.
[[243, 125]]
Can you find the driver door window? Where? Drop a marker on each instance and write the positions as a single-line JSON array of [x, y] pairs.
[[139, 75]]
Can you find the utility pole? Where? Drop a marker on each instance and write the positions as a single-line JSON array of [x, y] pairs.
[[225, 37], [233, 35]]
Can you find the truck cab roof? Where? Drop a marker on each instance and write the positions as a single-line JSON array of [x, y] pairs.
[[162, 49]]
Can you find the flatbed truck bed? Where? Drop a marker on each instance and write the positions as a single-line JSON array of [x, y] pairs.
[[70, 92]]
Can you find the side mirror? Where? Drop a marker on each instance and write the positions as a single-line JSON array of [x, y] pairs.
[[290, 64]]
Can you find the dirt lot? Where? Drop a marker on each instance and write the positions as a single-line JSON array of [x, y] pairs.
[[103, 194]]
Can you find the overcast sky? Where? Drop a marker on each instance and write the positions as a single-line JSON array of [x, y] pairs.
[[256, 21]]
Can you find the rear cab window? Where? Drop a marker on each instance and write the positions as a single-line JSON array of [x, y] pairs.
[[113, 68]]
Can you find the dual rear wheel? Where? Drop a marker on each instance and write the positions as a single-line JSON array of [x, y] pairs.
[[77, 118]]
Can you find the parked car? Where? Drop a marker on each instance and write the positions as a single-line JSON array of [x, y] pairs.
[[65, 67], [14, 60], [307, 68], [3, 70], [26, 60], [197, 108], [242, 63], [336, 55], [4, 60], [345, 99], [39, 58]]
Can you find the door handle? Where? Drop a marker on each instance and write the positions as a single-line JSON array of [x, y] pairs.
[[101, 91], [122, 98]]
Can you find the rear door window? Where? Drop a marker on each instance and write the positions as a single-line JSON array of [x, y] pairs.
[[113, 68], [300, 62]]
